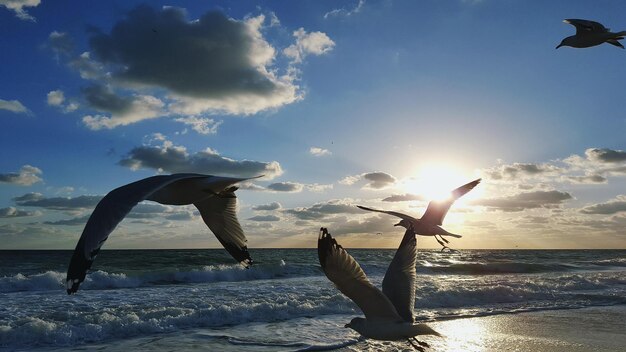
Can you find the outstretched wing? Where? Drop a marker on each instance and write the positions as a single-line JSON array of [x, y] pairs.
[[400, 278], [437, 210], [349, 278], [584, 27], [394, 213], [109, 212], [219, 213]]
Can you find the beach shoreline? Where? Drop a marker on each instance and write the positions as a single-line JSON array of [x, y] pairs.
[[589, 329], [597, 329]]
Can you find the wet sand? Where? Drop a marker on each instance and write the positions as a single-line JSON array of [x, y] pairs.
[[595, 329]]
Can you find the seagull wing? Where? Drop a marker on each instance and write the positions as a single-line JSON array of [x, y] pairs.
[[437, 210], [394, 213], [349, 278], [400, 278], [109, 212], [219, 213], [584, 27]]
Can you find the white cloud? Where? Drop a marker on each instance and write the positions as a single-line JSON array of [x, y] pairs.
[[27, 176], [56, 98], [139, 108], [345, 12], [13, 106], [18, 6], [316, 151], [202, 125], [313, 43]]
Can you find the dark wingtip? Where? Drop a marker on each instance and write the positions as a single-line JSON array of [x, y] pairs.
[[325, 243]]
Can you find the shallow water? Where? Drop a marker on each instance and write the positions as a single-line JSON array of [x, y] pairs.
[[163, 298]]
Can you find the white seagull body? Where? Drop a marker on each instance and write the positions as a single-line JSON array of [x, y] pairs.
[[590, 33], [214, 196], [430, 223], [388, 313]]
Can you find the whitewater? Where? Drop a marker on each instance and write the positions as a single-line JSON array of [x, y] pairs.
[[196, 299]]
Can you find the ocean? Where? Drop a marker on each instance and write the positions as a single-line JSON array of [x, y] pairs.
[[162, 300]]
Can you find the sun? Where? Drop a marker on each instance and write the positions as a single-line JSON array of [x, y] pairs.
[[435, 181]]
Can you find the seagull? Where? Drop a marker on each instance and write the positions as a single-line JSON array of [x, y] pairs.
[[214, 196], [590, 33], [429, 224], [388, 313]]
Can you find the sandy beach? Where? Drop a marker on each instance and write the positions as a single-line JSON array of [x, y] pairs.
[[598, 329]]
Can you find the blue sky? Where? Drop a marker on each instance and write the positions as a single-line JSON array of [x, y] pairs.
[[337, 103]]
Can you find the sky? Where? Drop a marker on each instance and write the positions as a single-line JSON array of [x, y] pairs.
[[386, 104]]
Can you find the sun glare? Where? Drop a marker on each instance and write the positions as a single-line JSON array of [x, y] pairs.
[[434, 182]]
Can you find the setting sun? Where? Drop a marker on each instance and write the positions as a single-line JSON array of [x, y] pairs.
[[435, 181]]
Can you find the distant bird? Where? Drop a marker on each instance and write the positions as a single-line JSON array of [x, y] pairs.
[[429, 224], [214, 196], [590, 33], [388, 314]]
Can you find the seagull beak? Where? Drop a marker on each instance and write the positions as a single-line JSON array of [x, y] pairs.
[[398, 224], [347, 325]]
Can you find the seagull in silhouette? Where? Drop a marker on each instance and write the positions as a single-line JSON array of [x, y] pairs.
[[590, 33], [214, 196], [388, 313], [429, 224]]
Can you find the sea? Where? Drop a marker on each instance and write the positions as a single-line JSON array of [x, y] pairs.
[[178, 300]]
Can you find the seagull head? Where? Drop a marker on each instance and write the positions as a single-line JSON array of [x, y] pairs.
[[356, 324]]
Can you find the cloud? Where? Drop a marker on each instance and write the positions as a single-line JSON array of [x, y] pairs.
[[57, 98], [613, 206], [316, 151], [124, 110], [82, 220], [12, 212], [588, 179], [27, 176], [61, 44], [13, 106], [376, 180], [265, 218], [314, 43], [373, 224], [270, 206], [18, 6], [403, 198], [201, 125], [57, 203], [518, 171], [315, 187], [174, 159], [606, 155], [214, 64], [28, 197], [526, 200], [324, 209], [345, 12], [291, 187]]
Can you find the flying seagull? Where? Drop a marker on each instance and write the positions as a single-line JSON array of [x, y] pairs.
[[429, 224], [388, 313], [214, 196], [590, 33]]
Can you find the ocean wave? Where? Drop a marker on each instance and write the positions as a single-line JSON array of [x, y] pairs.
[[495, 268], [108, 315], [98, 280]]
